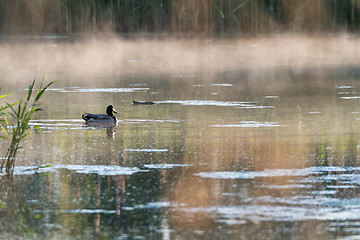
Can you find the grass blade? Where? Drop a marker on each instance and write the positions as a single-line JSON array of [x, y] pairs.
[[40, 93], [22, 115]]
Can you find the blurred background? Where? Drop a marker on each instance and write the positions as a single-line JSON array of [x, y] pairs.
[[178, 16]]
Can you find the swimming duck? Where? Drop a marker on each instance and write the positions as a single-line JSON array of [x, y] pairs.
[[108, 119]]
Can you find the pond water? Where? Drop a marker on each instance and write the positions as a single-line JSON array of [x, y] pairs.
[[268, 153]]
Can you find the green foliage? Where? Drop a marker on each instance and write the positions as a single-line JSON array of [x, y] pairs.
[[22, 115], [3, 118]]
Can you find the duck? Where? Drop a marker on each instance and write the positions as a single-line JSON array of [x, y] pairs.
[[143, 103], [102, 119]]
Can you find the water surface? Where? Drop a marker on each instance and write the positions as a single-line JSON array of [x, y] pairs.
[[234, 155]]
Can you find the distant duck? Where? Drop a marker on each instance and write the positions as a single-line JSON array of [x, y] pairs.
[[101, 119], [143, 103]]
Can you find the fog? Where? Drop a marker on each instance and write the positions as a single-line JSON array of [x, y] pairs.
[[89, 60]]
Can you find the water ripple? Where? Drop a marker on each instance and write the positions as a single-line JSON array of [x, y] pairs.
[[98, 90], [103, 170], [249, 124]]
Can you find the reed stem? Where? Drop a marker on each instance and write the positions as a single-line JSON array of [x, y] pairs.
[[20, 129]]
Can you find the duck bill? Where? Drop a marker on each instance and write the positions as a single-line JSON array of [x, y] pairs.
[[114, 111]]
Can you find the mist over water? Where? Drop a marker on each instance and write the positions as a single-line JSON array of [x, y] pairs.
[[99, 61]]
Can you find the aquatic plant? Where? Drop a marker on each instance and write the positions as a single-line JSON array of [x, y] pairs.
[[22, 115], [4, 119]]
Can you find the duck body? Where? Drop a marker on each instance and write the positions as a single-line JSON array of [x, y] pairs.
[[101, 119]]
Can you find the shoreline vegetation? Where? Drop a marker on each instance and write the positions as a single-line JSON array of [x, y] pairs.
[[178, 16], [20, 115]]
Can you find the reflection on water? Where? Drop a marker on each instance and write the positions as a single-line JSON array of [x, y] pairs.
[[247, 124], [238, 155], [93, 90]]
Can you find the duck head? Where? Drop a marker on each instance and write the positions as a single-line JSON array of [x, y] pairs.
[[110, 110]]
